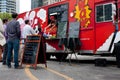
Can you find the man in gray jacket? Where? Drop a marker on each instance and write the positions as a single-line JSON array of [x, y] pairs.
[[13, 34]]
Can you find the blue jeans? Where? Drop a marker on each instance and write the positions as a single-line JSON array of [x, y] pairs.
[[13, 45]]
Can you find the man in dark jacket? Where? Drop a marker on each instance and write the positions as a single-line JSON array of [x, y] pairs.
[[13, 34]]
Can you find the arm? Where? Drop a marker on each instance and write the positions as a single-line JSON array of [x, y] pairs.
[[1, 27], [47, 27], [54, 24], [32, 30], [18, 29], [52, 28]]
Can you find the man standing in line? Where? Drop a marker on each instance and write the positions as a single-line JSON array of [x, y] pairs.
[[27, 29], [13, 33]]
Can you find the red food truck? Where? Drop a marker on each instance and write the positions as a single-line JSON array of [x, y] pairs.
[[94, 22]]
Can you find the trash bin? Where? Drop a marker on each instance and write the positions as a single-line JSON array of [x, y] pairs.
[[117, 52]]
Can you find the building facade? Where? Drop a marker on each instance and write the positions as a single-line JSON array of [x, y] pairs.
[[8, 6], [38, 3], [18, 6], [47, 2]]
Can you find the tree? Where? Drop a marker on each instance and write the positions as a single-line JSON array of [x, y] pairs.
[[4, 15]]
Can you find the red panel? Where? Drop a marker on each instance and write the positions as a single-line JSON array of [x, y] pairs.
[[103, 31], [83, 11], [87, 39]]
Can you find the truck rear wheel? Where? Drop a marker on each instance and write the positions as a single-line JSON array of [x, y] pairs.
[[118, 59], [61, 56], [117, 52]]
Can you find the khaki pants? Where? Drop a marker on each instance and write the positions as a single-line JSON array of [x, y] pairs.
[[21, 51]]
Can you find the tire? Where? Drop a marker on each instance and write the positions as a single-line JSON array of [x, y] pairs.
[[117, 52]]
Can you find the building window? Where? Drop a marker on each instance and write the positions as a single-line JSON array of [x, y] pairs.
[[104, 13]]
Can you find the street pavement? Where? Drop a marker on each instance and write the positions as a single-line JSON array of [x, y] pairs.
[[81, 69]]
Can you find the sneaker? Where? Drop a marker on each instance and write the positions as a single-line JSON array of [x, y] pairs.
[[9, 66], [4, 63], [19, 67]]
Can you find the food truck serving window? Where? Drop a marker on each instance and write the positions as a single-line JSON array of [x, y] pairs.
[[60, 12], [104, 13]]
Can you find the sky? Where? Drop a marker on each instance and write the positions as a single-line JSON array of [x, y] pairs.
[[25, 5]]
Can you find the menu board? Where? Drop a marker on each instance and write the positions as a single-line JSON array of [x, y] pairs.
[[74, 29], [61, 12], [31, 50], [62, 28]]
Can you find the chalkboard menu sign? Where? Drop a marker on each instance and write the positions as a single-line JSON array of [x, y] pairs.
[[62, 28], [31, 50], [61, 12], [58, 8], [74, 29]]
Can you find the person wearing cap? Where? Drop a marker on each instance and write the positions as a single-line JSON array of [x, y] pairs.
[[52, 26]]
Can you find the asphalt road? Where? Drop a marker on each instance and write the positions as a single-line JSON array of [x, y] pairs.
[[81, 69]]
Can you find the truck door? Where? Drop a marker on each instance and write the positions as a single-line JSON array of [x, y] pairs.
[[104, 26]]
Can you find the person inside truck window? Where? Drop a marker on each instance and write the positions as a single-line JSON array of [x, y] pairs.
[[51, 29], [40, 32]]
